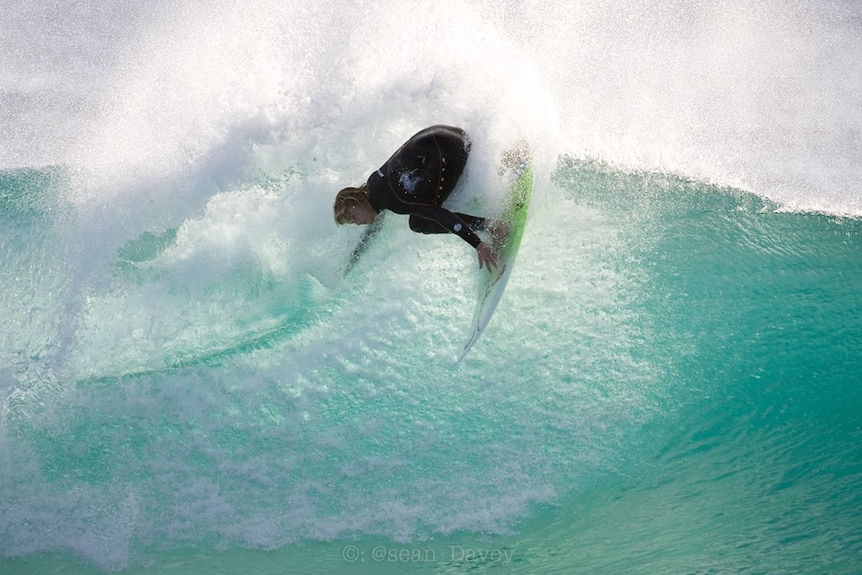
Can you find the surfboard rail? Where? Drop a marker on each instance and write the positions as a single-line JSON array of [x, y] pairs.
[[492, 283]]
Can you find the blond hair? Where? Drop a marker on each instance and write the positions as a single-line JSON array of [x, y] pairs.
[[347, 198]]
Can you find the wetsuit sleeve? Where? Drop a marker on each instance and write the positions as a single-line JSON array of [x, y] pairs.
[[447, 220]]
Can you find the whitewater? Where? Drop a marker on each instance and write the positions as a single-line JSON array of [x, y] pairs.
[[190, 383]]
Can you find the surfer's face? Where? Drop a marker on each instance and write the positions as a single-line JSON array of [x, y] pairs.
[[362, 214]]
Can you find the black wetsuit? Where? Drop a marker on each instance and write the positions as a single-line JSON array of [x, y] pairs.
[[419, 177]]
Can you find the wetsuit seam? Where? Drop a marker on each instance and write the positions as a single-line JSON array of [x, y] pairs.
[[439, 187]]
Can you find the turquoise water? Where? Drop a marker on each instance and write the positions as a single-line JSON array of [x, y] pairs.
[[684, 398], [190, 384]]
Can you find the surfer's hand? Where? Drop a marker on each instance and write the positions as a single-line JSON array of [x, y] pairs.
[[487, 256]]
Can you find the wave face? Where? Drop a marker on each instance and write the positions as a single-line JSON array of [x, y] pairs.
[[189, 381]]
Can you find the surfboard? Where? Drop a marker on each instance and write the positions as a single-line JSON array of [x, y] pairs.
[[492, 283]]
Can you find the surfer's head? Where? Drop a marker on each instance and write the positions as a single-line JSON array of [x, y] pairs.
[[352, 206]]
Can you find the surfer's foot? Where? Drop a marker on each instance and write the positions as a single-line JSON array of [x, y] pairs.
[[499, 231]]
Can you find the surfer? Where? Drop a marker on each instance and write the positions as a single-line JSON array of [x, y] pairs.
[[416, 180]]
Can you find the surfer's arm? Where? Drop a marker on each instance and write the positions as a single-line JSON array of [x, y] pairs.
[[369, 234], [447, 220]]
